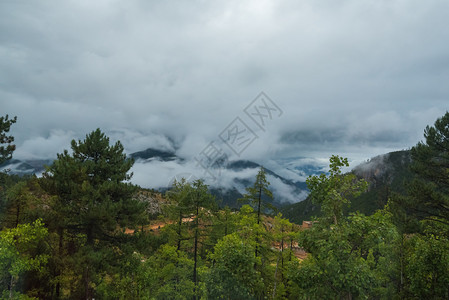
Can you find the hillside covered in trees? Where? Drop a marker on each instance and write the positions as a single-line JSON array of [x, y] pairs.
[[386, 175], [83, 231]]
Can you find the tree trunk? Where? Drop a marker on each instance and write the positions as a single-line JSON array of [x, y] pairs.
[[195, 255], [86, 283], [58, 270], [275, 279], [179, 230], [258, 221], [259, 205], [195, 259], [17, 215], [11, 286], [402, 263], [226, 224], [291, 244], [282, 252], [90, 243]]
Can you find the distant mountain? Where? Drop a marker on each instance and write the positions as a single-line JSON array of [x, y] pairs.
[[36, 166], [284, 189], [230, 196], [32, 166], [386, 174], [151, 153]]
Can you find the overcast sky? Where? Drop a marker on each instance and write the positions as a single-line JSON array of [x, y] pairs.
[[354, 78]]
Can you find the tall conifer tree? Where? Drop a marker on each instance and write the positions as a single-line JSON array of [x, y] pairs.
[[94, 198]]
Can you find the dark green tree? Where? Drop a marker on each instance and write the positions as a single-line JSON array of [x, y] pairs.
[[258, 197], [24, 202], [427, 267], [7, 140], [349, 257], [178, 210], [95, 200], [333, 191], [193, 207], [224, 222], [350, 260], [429, 192], [424, 212], [233, 275], [282, 237], [6, 149], [18, 254]]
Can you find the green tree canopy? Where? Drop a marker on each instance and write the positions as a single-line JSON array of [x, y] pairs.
[[233, 275], [333, 191], [94, 198], [7, 140], [429, 192], [93, 187], [348, 256], [259, 194], [18, 253]]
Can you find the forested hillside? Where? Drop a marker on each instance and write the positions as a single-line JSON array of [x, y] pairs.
[[386, 175], [83, 231]]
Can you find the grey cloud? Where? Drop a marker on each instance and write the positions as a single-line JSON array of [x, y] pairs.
[[353, 77]]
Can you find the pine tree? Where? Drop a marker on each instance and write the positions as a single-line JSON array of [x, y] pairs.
[[94, 198], [6, 151], [192, 200], [257, 196], [430, 162]]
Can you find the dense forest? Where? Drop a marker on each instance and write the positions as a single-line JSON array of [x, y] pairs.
[[83, 231]]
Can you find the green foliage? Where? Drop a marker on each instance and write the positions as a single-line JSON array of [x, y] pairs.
[[18, 252], [351, 259], [82, 251], [282, 236], [223, 222], [255, 196], [258, 195], [386, 175], [94, 202], [233, 275], [6, 182], [92, 186], [428, 267], [5, 126], [333, 191], [171, 274], [194, 202], [429, 192], [25, 202], [348, 257]]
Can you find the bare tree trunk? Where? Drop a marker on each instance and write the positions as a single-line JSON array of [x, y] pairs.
[[11, 286]]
